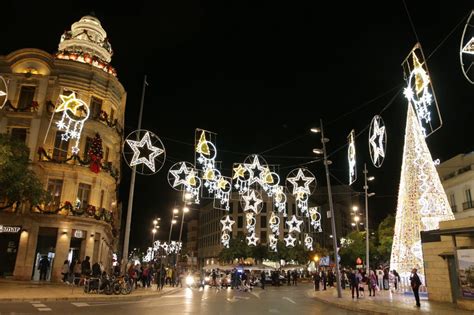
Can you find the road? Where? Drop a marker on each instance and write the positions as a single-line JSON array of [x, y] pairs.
[[272, 300]]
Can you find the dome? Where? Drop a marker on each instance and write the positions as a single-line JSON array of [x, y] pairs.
[[87, 42]]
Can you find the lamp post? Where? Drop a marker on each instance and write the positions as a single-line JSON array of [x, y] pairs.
[[367, 195], [331, 206], [155, 227], [185, 210], [173, 221]]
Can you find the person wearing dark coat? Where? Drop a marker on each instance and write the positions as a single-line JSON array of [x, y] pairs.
[[86, 266], [43, 267], [316, 279], [415, 285], [262, 279]]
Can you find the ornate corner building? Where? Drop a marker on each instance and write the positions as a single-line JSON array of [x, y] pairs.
[[80, 166]]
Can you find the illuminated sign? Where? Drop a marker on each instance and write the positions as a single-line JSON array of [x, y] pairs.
[[9, 229], [78, 233]]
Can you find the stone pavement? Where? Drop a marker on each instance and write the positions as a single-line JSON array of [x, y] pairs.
[[385, 302], [17, 291]]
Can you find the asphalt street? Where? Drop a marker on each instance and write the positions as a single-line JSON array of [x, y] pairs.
[[272, 300]]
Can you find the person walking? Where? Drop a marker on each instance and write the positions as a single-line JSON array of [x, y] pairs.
[[372, 283], [288, 277], [316, 279], [295, 277], [415, 285], [262, 279], [324, 279], [354, 282], [65, 270]]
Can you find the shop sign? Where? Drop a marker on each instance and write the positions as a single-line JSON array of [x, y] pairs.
[[78, 233], [9, 229]]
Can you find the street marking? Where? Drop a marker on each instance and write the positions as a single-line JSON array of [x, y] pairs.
[[34, 302], [289, 300], [256, 294], [80, 304], [273, 310], [38, 305], [44, 309]]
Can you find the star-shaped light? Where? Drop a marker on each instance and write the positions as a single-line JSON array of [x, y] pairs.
[[294, 224], [227, 223], [181, 179], [290, 240], [299, 179], [69, 102], [252, 202], [155, 151], [256, 171], [252, 240], [239, 171], [376, 142], [222, 183]]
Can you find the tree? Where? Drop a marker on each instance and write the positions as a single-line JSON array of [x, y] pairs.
[[353, 246], [385, 236], [238, 249], [18, 183]]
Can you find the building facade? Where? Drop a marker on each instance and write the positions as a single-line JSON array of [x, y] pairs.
[[82, 175], [457, 177]]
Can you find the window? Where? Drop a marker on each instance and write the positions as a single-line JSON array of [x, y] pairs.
[[87, 146], [60, 147], [55, 187], [96, 107], [263, 236], [240, 209], [263, 221], [27, 93], [83, 194], [264, 208], [66, 92], [452, 202], [293, 209], [468, 195], [19, 134], [240, 222]]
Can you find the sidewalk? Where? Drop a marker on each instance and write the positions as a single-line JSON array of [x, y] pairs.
[[385, 302], [17, 291]]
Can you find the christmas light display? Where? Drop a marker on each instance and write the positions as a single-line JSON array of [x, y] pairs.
[[75, 113], [251, 222], [279, 200], [308, 242], [252, 239], [422, 202], [294, 224], [377, 141], [95, 154], [225, 239], [192, 187], [223, 193], [257, 171], [315, 218], [466, 50], [240, 177], [205, 157], [178, 175], [420, 93], [272, 243], [3, 92], [274, 223], [289, 241], [154, 149], [253, 201], [227, 223], [302, 185], [351, 157], [172, 247]]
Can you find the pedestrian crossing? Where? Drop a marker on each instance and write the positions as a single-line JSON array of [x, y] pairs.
[[40, 306]]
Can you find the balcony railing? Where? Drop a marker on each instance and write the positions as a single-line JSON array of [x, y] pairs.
[[467, 205]]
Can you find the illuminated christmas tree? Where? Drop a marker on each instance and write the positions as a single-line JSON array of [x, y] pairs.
[[422, 201], [95, 154]]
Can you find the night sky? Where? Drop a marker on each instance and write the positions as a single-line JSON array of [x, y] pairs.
[[260, 75]]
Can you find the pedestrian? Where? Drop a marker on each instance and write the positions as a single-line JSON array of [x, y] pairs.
[[372, 283], [44, 267], [288, 277], [397, 279], [295, 277], [65, 270], [324, 278], [415, 285], [354, 282], [262, 279], [316, 279], [86, 266]]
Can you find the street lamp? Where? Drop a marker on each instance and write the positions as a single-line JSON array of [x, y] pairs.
[[173, 221], [356, 220], [367, 195], [331, 206]]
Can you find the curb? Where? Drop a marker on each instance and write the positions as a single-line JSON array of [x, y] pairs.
[[91, 297], [348, 307]]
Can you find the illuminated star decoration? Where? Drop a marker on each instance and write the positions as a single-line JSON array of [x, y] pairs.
[[315, 218], [252, 240], [75, 113], [257, 171], [241, 183], [377, 141], [308, 242], [272, 243], [279, 200], [250, 218], [252, 202], [148, 161], [193, 185], [301, 187], [3, 92], [274, 223], [467, 49], [223, 192], [294, 224], [421, 97], [290, 241], [180, 175], [351, 157], [227, 223]]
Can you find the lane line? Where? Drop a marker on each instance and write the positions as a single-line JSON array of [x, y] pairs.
[[289, 300], [38, 305]]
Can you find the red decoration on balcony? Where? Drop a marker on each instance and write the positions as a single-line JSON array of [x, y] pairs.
[[95, 154]]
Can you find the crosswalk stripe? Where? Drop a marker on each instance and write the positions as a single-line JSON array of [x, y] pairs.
[[44, 309], [38, 305], [80, 304]]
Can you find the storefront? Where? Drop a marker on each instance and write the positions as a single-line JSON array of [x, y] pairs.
[[9, 239], [449, 262]]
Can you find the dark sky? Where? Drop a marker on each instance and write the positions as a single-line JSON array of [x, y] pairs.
[[261, 74]]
